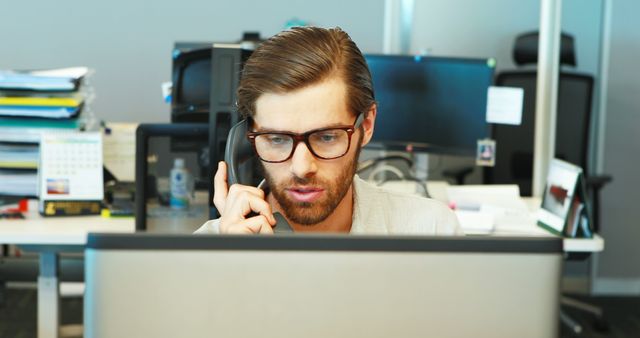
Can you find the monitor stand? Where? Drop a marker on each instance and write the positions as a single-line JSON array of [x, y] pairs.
[[420, 168]]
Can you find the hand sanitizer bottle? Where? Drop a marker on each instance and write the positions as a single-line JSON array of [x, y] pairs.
[[179, 185]]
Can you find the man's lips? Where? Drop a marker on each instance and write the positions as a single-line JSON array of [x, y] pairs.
[[304, 194]]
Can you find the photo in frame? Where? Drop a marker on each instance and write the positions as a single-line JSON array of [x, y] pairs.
[[565, 207]]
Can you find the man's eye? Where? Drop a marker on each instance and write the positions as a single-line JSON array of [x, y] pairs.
[[328, 137], [277, 139]]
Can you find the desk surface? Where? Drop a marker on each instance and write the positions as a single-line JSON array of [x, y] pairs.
[[595, 244], [38, 230]]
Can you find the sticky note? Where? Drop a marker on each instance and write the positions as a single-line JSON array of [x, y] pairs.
[[504, 105]]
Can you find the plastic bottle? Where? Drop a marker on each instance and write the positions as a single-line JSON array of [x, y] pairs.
[[179, 185]]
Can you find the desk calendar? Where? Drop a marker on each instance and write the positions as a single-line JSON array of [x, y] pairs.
[[70, 173]]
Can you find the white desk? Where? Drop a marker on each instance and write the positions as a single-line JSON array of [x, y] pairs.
[[49, 237], [438, 191], [587, 245], [595, 244]]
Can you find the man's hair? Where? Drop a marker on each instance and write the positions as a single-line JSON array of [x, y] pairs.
[[303, 56]]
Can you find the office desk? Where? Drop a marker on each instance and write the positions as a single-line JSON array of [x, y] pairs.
[[49, 237], [438, 191], [595, 244]]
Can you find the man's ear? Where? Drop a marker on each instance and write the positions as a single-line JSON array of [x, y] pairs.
[[368, 124]]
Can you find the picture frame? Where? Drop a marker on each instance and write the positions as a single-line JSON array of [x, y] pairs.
[[565, 209]]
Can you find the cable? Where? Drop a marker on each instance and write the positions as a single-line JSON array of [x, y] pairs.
[[407, 158], [364, 165], [384, 168], [420, 183]]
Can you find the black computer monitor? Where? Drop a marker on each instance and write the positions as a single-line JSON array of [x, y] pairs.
[[192, 76], [434, 104], [191, 83]]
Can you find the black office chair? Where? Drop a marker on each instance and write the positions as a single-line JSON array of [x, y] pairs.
[[514, 156]]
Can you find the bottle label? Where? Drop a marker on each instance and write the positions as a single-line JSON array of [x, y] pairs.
[[179, 189]]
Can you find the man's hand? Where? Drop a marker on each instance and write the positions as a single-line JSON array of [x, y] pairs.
[[237, 203]]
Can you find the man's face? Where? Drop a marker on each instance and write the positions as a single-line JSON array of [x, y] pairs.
[[308, 189]]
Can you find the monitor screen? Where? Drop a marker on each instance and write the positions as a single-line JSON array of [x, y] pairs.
[[435, 104], [196, 81], [191, 85]]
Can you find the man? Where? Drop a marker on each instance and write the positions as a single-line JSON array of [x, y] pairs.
[[309, 97]]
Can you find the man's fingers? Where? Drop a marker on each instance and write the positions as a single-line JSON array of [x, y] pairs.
[[220, 187], [263, 208], [237, 205], [244, 203], [258, 225], [236, 189]]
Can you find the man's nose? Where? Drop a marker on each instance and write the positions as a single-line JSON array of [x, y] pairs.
[[303, 163]]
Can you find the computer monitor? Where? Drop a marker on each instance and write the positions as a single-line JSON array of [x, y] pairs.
[[434, 104], [141, 285], [194, 72], [191, 82]]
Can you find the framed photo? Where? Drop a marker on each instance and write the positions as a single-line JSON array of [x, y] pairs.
[[565, 209], [486, 153]]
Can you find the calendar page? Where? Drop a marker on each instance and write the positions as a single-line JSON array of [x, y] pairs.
[[70, 167]]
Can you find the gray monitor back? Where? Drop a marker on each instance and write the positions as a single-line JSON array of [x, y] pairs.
[[144, 285]]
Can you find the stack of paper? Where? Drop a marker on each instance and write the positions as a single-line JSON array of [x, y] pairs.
[[24, 130], [33, 104], [19, 156], [63, 79], [18, 183], [50, 94], [485, 209], [44, 107]]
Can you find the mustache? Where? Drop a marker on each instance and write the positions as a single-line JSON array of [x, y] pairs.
[[313, 181]]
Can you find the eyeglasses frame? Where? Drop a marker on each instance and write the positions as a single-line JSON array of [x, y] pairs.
[[304, 137]]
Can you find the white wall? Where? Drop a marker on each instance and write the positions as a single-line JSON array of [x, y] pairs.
[[129, 42]]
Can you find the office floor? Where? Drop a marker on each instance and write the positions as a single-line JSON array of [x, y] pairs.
[[18, 311], [622, 315], [18, 315]]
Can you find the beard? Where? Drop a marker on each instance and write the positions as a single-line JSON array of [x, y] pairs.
[[311, 213]]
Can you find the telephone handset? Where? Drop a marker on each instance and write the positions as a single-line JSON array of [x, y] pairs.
[[237, 152]]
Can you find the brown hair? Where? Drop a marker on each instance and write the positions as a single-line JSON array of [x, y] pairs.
[[302, 56]]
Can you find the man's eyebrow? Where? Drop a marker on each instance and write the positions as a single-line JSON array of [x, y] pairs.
[[272, 130], [268, 130]]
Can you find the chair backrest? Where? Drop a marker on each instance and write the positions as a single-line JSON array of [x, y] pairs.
[[514, 150]]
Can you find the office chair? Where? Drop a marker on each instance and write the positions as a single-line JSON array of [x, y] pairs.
[[514, 157], [514, 161]]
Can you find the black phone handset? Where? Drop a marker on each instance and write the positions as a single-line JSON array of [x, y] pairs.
[[238, 151]]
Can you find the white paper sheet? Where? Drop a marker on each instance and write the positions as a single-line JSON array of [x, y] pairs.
[[119, 150], [501, 205], [504, 105]]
